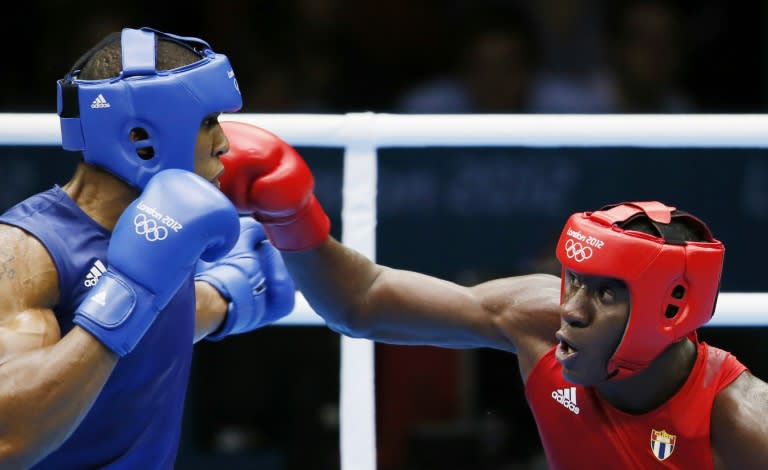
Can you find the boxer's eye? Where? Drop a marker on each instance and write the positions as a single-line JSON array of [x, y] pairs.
[[573, 280], [606, 294], [210, 121]]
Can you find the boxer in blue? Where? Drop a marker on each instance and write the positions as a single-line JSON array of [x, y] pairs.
[[107, 281]]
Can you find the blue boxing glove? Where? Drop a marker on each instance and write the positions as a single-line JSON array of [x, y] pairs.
[[155, 245], [253, 279]]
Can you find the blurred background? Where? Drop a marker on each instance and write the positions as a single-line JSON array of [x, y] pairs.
[[430, 55], [269, 399]]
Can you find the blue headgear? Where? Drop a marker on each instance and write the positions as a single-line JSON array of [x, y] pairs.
[[167, 107]]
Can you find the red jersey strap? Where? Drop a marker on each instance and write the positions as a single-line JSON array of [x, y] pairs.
[[722, 367]]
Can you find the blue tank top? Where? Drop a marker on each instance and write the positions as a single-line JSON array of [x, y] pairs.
[[136, 420]]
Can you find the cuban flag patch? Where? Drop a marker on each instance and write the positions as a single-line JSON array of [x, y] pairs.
[[662, 444]]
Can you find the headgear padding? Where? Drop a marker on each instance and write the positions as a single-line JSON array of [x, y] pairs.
[[168, 106], [673, 283]]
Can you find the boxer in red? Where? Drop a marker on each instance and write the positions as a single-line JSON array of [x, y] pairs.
[[613, 370]]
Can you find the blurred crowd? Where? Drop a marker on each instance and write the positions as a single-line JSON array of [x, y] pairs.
[[482, 56]]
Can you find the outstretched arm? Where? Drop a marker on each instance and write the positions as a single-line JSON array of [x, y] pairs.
[[362, 299], [265, 176]]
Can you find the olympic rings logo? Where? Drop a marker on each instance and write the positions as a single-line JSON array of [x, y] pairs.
[[577, 251], [149, 228]]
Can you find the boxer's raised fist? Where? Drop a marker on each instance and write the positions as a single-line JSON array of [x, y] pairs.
[[155, 245]]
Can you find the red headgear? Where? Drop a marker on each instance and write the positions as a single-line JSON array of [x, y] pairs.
[[673, 283]]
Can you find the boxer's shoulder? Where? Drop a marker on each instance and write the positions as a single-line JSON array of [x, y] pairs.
[[26, 268]]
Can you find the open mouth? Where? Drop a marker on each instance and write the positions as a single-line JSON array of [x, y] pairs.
[[566, 346], [565, 350]]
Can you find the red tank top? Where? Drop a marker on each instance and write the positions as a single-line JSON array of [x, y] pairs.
[[580, 430]]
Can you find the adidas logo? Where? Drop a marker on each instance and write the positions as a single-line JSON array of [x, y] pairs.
[[100, 102], [94, 274], [100, 298], [231, 74], [567, 398]]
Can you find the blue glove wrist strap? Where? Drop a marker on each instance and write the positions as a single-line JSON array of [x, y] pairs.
[[117, 313]]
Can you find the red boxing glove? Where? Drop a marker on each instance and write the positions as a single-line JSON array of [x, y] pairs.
[[265, 176]]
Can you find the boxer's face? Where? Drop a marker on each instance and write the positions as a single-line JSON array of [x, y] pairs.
[[211, 144], [594, 315]]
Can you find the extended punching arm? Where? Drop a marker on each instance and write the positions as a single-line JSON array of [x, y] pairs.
[[266, 177]]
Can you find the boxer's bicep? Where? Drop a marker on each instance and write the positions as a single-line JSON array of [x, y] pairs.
[[28, 290], [526, 313]]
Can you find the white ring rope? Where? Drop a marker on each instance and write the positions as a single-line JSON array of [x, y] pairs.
[[360, 134], [537, 130], [389, 130]]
